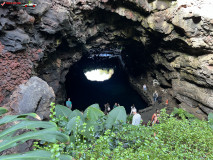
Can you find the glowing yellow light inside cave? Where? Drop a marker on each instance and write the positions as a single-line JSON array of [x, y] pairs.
[[99, 74]]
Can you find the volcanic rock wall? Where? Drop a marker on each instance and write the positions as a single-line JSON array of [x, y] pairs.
[[175, 36]]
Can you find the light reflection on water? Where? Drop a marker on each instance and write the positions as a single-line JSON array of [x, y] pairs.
[[99, 74]]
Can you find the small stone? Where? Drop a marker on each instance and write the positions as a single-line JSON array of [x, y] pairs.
[[211, 21], [206, 27]]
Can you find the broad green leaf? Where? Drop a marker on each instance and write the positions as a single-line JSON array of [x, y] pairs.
[[11, 118], [75, 113], [91, 116], [34, 155], [92, 113], [49, 135], [27, 125], [117, 114], [62, 111], [72, 124], [2, 111], [96, 105]]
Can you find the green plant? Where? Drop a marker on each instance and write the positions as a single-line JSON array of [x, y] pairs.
[[46, 131], [2, 111], [210, 120], [96, 136], [118, 114], [33, 155], [175, 139], [129, 119], [62, 111], [182, 113], [84, 129]]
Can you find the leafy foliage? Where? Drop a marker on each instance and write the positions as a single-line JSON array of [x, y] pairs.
[[27, 125], [92, 114], [12, 118], [210, 120], [33, 155], [72, 123], [76, 113], [129, 119], [116, 115], [109, 137], [182, 113], [83, 129], [2, 111], [46, 131], [62, 111], [52, 133], [96, 136]]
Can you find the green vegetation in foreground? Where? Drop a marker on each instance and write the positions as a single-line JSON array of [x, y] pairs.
[[95, 136], [9, 137]]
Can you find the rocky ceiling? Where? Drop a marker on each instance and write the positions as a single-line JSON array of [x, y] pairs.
[[172, 37]]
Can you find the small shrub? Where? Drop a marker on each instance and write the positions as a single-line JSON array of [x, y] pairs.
[[179, 112]]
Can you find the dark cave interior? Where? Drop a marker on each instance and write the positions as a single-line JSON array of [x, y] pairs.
[[84, 92], [133, 60]]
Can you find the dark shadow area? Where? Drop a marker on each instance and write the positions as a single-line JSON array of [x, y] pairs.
[[197, 19], [117, 89], [137, 59]]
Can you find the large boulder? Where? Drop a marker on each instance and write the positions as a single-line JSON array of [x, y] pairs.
[[34, 96], [193, 96]]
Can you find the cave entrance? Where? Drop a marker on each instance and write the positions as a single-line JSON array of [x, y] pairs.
[[116, 89]]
